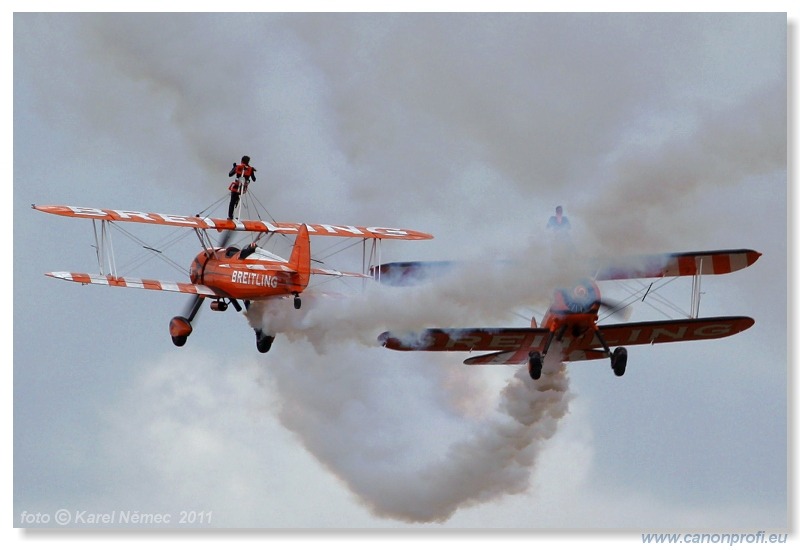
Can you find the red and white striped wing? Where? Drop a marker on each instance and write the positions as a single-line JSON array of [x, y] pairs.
[[133, 282], [714, 262], [260, 226]]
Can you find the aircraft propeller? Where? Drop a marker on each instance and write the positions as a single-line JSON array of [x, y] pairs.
[[616, 309]]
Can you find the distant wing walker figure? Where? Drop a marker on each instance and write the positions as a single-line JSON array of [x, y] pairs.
[[570, 326], [559, 223], [224, 274]]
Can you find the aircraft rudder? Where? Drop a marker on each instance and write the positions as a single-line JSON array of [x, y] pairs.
[[300, 260]]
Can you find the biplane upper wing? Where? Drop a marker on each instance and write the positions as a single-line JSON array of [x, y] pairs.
[[220, 224], [716, 262], [512, 345], [133, 282]]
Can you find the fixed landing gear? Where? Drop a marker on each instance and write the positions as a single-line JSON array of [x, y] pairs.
[[180, 327], [297, 301], [536, 358], [619, 357], [535, 364], [263, 341], [619, 360]]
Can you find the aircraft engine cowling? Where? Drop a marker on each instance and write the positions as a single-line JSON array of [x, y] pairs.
[[583, 297]]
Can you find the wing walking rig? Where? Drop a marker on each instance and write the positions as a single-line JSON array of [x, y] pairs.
[[226, 274]]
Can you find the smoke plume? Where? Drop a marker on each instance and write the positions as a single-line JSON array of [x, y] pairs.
[[389, 428]]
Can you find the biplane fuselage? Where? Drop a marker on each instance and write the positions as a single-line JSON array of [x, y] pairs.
[[231, 277]]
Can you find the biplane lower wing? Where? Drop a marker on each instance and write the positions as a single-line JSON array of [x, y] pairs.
[[169, 286], [261, 226], [466, 339], [512, 346], [133, 282]]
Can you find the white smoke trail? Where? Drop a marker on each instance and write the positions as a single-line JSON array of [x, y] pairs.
[[384, 424]]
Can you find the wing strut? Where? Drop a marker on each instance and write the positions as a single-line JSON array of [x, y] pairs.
[[105, 248], [374, 257], [695, 307]]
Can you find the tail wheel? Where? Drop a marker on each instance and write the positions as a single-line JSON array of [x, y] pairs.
[[219, 305], [297, 301], [179, 340], [619, 360], [535, 365]]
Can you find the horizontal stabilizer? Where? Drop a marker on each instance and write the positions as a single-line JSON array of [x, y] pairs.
[[409, 273], [132, 282], [499, 358], [336, 273], [260, 226]]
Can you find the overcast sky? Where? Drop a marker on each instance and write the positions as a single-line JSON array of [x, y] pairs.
[[656, 132]]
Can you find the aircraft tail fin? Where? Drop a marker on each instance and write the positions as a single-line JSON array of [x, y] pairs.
[[300, 260]]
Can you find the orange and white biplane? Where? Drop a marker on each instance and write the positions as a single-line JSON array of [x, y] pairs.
[[570, 326], [225, 274]]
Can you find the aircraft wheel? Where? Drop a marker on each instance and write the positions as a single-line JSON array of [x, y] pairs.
[[263, 341], [535, 365], [179, 329], [297, 302], [619, 360], [179, 340]]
